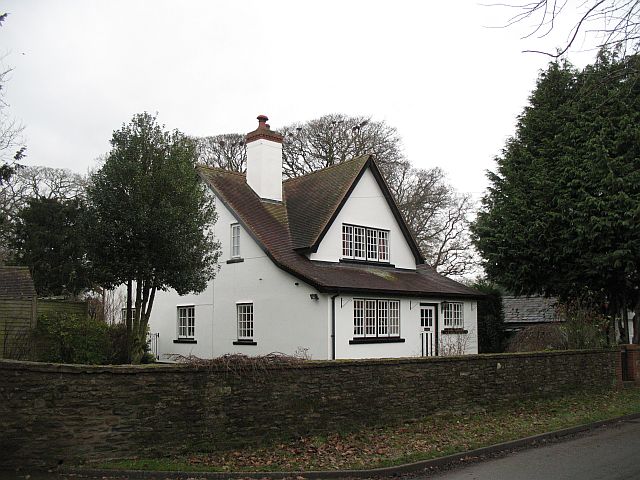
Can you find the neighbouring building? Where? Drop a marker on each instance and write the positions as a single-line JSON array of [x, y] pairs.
[[322, 265], [525, 311], [18, 314]]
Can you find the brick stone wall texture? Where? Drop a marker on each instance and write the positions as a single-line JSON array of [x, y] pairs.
[[74, 413]]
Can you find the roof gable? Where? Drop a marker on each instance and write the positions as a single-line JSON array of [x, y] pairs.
[[315, 200]]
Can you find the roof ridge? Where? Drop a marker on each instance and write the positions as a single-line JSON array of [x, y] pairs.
[[307, 175], [219, 169]]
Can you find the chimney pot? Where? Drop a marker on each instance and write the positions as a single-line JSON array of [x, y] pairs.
[[262, 121]]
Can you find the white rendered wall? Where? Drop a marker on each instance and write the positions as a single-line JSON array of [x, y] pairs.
[[409, 330], [264, 168], [286, 319], [367, 207]]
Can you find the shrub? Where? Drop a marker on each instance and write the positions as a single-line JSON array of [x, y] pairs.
[[64, 338], [579, 326], [584, 327], [537, 338]]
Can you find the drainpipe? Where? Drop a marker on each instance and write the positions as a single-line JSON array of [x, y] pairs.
[[437, 329], [333, 326]]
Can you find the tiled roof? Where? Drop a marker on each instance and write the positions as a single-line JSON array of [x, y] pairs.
[[535, 309], [309, 203], [16, 282], [312, 199]]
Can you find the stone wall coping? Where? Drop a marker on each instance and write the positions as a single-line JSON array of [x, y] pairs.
[[17, 365]]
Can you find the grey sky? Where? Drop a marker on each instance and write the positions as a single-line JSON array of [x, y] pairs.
[[451, 87]]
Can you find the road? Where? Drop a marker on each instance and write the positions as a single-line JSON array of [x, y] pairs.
[[608, 453]]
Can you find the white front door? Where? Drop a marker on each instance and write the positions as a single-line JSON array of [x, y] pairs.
[[427, 330]]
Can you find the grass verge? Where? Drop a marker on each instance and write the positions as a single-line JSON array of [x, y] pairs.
[[428, 438]]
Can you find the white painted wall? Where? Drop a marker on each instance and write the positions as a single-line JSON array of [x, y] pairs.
[[409, 330], [467, 343], [367, 207], [264, 168], [285, 317]]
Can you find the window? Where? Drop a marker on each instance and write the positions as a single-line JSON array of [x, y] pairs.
[[186, 322], [383, 246], [358, 243], [453, 317], [235, 240], [245, 321], [372, 244], [376, 318], [358, 317], [362, 243], [347, 241], [123, 314]]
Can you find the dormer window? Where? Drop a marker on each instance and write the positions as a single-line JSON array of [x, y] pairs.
[[364, 243]]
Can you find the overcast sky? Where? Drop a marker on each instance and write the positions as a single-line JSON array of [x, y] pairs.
[[452, 87]]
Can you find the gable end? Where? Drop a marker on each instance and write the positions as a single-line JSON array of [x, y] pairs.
[[370, 163]]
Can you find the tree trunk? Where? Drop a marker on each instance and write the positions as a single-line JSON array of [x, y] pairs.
[[636, 322], [129, 320], [137, 343], [147, 312], [624, 329]]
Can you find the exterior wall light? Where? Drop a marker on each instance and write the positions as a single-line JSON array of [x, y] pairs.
[[314, 296]]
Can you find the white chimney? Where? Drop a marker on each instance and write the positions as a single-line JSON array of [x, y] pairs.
[[264, 161]]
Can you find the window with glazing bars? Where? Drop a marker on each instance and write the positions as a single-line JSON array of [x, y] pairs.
[[245, 321], [123, 314], [376, 318], [453, 315], [235, 240], [186, 322], [363, 243]]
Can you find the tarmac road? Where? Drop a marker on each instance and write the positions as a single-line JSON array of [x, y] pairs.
[[607, 453]]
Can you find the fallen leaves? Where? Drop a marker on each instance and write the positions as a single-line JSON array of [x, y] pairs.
[[429, 437]]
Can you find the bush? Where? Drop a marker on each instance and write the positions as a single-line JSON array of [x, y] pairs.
[[537, 338], [579, 327], [584, 327], [64, 338]]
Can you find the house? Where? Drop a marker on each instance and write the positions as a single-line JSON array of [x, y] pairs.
[[321, 265], [525, 311], [18, 301]]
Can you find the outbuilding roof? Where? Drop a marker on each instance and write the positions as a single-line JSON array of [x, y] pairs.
[[534, 309], [287, 230], [16, 282]]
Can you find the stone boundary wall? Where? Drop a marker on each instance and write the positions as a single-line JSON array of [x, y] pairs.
[[51, 413]]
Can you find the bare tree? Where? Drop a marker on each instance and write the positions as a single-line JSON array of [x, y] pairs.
[[227, 151], [438, 216], [610, 22], [334, 138], [11, 146]]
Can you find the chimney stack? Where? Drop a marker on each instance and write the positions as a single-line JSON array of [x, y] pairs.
[[264, 161]]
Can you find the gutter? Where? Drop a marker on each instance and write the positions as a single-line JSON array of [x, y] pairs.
[[333, 326]]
